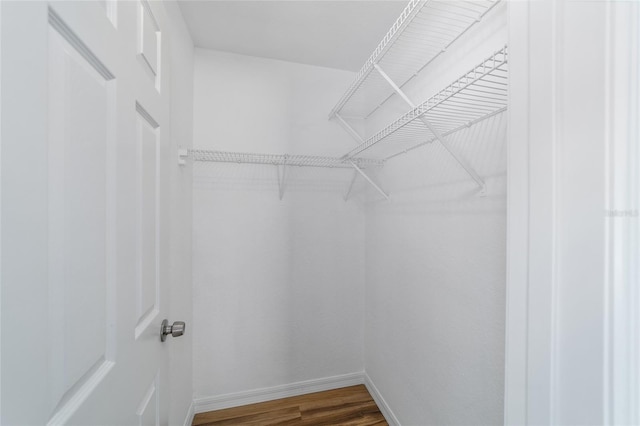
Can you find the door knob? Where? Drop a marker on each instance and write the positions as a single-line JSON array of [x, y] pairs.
[[176, 329]]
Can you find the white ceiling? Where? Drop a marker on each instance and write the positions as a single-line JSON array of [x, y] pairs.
[[335, 34]]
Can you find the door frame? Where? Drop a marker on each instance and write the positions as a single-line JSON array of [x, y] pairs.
[[537, 295]]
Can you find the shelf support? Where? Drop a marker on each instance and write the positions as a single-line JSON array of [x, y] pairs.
[[183, 155], [368, 179], [353, 180], [465, 165], [349, 129], [282, 169]]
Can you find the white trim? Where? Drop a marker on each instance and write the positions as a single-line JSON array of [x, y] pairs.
[[219, 402], [532, 213], [72, 38], [517, 301], [622, 317], [78, 394], [388, 414], [188, 420], [555, 366], [0, 205]]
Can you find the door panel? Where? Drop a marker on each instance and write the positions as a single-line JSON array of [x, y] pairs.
[[81, 119], [148, 39], [85, 125], [148, 138], [147, 412]]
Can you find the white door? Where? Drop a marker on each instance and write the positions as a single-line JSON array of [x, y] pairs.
[[84, 161]]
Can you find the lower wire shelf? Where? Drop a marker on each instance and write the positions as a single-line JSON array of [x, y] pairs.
[[281, 159]]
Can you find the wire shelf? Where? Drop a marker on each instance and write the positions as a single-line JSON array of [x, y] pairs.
[[424, 30], [281, 160], [477, 95]]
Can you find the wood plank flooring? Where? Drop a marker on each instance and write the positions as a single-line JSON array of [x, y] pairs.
[[352, 406]]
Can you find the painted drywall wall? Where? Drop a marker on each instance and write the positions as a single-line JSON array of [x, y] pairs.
[[180, 309], [278, 284], [435, 261]]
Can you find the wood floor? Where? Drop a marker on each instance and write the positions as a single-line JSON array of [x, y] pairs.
[[351, 406]]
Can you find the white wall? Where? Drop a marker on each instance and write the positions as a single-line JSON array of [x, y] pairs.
[[180, 309], [277, 284], [435, 261]]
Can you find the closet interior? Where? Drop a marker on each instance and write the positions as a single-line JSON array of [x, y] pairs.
[[426, 204], [350, 227]]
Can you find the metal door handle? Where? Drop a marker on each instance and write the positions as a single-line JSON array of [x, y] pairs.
[[176, 329]]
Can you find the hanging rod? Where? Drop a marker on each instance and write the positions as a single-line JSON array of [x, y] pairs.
[[477, 95], [423, 31], [281, 160]]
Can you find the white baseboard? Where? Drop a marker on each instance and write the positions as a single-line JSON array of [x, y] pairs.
[[211, 403], [382, 404], [189, 419]]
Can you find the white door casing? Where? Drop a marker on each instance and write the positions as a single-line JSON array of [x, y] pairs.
[[622, 226], [85, 127], [572, 298]]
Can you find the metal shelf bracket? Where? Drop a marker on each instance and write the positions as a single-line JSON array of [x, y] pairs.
[[355, 135], [282, 170], [353, 180], [368, 179], [183, 154], [456, 155]]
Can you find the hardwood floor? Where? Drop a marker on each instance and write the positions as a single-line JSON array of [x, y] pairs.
[[352, 406]]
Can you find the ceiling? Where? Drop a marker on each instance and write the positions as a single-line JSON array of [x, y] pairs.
[[335, 34]]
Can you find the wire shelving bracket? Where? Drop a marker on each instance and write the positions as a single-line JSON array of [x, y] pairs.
[[282, 170], [350, 187], [368, 179]]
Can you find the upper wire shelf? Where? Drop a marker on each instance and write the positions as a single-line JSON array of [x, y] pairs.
[[281, 160], [424, 30], [477, 95]]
